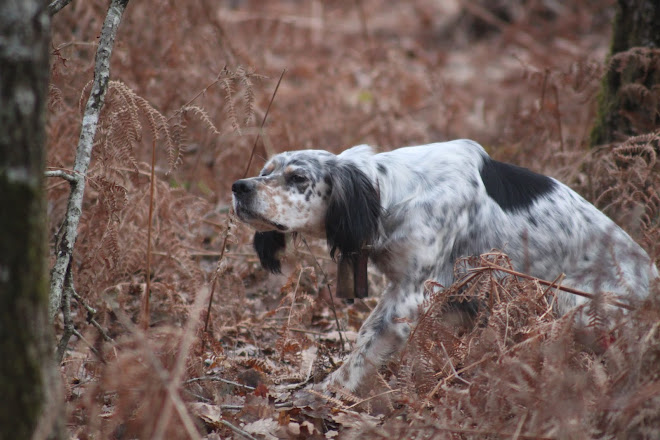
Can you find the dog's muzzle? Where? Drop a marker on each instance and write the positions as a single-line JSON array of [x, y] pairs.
[[243, 189], [244, 192]]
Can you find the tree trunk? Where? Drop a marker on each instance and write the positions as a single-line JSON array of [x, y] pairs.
[[629, 101], [27, 373]]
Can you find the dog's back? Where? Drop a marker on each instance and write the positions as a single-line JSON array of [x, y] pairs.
[[479, 204]]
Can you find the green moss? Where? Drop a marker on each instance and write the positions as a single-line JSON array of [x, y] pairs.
[[635, 25]]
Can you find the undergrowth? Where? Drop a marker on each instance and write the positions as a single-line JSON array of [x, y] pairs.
[[519, 77]]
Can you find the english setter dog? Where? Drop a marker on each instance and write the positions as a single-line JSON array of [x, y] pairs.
[[418, 209]]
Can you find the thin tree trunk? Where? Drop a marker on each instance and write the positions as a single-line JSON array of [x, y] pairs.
[[27, 373], [69, 230], [629, 101]]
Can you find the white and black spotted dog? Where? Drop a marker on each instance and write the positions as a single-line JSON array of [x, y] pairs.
[[419, 209]]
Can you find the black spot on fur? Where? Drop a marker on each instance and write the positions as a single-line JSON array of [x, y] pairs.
[[425, 273], [268, 245], [307, 162], [463, 313], [380, 324], [513, 188], [382, 169], [429, 210]]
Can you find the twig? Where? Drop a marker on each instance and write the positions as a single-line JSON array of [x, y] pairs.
[[293, 301], [66, 318], [516, 435], [297, 330], [549, 284], [444, 350], [237, 430], [558, 117], [91, 312], [147, 292], [200, 93], [69, 329], [56, 6], [263, 121], [556, 283], [430, 395], [297, 385], [215, 279], [224, 241], [72, 178], [283, 405], [218, 379], [384, 393], [90, 120], [332, 298], [199, 398], [78, 335]]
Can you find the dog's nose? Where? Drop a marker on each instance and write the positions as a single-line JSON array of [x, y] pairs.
[[242, 186]]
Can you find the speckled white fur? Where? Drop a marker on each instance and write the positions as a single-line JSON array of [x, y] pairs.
[[435, 208]]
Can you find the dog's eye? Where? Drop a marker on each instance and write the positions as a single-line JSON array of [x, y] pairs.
[[298, 178]]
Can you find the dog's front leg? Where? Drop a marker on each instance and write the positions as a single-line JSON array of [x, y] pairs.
[[381, 336]]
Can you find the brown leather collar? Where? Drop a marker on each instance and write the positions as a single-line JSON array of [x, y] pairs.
[[352, 279]]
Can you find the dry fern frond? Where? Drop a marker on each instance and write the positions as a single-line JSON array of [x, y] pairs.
[[227, 86], [121, 135], [123, 129], [245, 78], [627, 177], [55, 98], [644, 58], [202, 115]]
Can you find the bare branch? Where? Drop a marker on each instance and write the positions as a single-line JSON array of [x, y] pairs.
[[56, 6], [237, 430], [91, 312], [68, 322], [219, 379], [64, 175], [69, 230]]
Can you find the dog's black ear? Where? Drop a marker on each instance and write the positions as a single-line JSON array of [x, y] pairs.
[[354, 207], [268, 245]]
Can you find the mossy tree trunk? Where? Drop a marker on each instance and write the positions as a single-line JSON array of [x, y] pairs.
[[629, 101], [27, 373]]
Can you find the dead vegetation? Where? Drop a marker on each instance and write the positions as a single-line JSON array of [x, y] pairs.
[[194, 79]]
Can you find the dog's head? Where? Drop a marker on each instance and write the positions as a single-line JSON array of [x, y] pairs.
[[313, 192]]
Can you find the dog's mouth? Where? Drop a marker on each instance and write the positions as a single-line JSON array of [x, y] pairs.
[[257, 221]]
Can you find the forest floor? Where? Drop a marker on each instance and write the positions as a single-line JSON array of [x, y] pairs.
[[194, 80]]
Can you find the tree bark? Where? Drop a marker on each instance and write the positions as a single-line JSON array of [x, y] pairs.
[[629, 100], [27, 373]]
